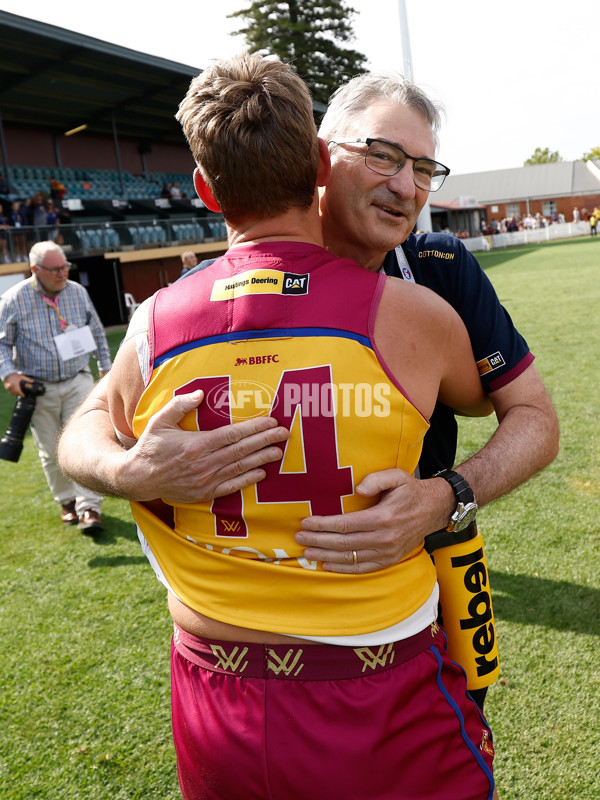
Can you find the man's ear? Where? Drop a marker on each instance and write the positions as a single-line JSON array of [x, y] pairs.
[[324, 163], [204, 193]]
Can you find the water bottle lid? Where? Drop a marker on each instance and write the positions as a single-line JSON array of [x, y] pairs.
[[447, 538]]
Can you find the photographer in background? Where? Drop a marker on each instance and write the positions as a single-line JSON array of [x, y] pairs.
[[48, 329]]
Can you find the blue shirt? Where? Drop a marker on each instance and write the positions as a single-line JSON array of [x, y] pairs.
[[443, 264], [28, 325]]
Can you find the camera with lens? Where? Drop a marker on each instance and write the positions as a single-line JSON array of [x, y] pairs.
[[12, 443]]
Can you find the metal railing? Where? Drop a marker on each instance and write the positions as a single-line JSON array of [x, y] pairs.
[[93, 238]]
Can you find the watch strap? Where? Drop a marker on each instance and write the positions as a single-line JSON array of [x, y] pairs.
[[460, 486]]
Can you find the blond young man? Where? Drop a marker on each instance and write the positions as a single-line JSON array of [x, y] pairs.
[[310, 682]]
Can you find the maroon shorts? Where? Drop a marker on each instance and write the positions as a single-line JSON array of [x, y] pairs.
[[289, 722]]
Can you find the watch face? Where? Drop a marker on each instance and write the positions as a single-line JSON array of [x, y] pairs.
[[463, 516]]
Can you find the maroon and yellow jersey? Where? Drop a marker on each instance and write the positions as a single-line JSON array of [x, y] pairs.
[[282, 329]]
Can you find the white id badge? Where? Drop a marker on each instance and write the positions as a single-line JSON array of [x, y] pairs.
[[75, 342]]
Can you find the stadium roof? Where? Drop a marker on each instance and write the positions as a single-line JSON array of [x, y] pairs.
[[56, 79], [538, 181]]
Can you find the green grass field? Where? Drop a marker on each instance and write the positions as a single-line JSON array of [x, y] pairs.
[[84, 698]]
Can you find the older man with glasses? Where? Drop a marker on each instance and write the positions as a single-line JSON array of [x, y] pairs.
[[48, 328]]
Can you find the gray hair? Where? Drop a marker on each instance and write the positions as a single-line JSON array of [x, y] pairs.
[[39, 251], [354, 97]]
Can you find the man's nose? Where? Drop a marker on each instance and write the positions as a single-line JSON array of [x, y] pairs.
[[402, 182]]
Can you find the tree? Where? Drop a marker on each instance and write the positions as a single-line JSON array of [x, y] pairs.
[[545, 156], [593, 154], [306, 36]]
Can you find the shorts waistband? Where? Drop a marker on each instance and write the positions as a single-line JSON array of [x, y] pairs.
[[298, 662]]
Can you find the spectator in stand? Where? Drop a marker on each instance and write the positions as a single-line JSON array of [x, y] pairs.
[[4, 227], [57, 189], [494, 227], [4, 187], [26, 209], [166, 190], [576, 215], [188, 261], [37, 211], [17, 218], [175, 190], [53, 219]]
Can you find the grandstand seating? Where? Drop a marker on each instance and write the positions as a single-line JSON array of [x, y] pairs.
[[116, 211], [95, 183]]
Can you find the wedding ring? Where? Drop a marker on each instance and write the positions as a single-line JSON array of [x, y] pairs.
[[354, 557]]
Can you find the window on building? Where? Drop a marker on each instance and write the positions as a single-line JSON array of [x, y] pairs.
[[513, 210], [549, 208]]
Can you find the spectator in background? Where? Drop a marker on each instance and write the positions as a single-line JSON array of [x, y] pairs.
[[48, 328], [37, 211], [57, 189], [529, 222], [576, 215], [594, 217], [4, 187], [17, 218], [188, 261], [4, 227], [166, 190], [175, 190], [53, 219]]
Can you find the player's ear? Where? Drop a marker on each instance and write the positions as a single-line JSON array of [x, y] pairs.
[[324, 163], [204, 193]]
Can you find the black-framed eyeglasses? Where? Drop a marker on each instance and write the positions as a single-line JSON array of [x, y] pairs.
[[55, 270], [386, 158]]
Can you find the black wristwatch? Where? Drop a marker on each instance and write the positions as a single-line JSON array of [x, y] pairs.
[[467, 507]]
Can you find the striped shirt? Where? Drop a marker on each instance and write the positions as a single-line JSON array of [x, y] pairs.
[[28, 324]]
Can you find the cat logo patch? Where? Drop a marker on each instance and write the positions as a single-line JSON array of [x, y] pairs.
[[295, 284], [259, 281], [491, 363]]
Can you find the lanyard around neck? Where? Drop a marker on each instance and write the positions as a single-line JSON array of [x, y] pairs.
[[53, 303]]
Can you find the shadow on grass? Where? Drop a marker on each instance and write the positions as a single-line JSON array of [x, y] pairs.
[[529, 600], [114, 529], [116, 561]]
